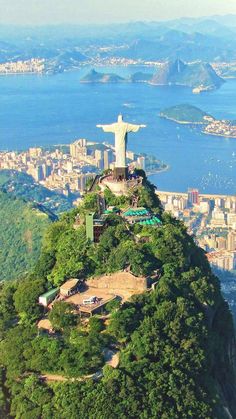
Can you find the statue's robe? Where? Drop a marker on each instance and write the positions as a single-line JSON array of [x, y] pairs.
[[121, 130]]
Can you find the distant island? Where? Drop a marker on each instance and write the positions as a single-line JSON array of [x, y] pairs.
[[199, 76], [95, 77], [186, 114]]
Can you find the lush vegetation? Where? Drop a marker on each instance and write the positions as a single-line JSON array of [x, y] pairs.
[[176, 343], [21, 185], [185, 114], [21, 230], [67, 253]]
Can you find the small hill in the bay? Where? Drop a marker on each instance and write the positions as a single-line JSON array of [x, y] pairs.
[[21, 230], [190, 75], [96, 77], [186, 114]]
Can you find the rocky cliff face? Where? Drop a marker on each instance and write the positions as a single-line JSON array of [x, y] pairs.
[[191, 75]]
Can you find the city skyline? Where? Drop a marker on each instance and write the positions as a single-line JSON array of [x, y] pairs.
[[32, 12]]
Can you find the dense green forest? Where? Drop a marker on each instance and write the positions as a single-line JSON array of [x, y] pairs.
[[21, 230], [176, 343], [21, 185], [185, 114]]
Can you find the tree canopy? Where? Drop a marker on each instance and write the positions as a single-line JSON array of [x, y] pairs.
[[21, 230], [175, 343]]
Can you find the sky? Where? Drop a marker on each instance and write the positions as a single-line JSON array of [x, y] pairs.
[[38, 12]]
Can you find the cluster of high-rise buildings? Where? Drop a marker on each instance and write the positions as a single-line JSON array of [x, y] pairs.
[[212, 221], [99, 157], [58, 169]]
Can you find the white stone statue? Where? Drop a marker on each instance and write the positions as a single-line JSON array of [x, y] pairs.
[[121, 130]]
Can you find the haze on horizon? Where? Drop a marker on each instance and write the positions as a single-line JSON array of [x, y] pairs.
[[41, 12]]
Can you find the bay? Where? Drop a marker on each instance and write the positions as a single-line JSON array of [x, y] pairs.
[[39, 110]]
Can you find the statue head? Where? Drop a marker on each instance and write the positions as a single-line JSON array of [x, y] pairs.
[[120, 118]]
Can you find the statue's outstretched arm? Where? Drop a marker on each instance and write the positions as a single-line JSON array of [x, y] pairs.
[[106, 128], [135, 128]]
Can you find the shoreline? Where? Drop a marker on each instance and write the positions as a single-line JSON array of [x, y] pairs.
[[185, 194], [155, 172], [181, 122], [23, 73], [198, 124], [218, 135]]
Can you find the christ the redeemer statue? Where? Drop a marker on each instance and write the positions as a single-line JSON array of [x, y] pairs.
[[121, 130]]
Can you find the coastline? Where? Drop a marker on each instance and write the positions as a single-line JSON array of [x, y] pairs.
[[181, 122], [198, 124], [155, 172], [218, 135], [23, 73], [185, 194]]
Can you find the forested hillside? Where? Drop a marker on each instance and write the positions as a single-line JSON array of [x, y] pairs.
[[176, 343], [185, 114], [22, 185], [21, 230]]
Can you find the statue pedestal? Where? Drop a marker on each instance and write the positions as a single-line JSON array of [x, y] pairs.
[[120, 173], [118, 187]]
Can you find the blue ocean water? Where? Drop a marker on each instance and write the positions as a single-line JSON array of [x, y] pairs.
[[41, 110]]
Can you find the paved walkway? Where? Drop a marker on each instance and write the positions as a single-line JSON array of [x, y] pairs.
[[112, 358]]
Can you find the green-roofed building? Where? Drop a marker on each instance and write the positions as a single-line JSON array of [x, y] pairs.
[[136, 212], [136, 215], [48, 296], [154, 221]]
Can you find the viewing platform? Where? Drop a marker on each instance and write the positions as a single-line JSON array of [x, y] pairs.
[[120, 187]]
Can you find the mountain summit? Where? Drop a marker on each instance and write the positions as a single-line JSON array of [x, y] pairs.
[[191, 75]]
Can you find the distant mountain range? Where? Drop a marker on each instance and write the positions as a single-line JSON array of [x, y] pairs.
[[171, 73], [173, 44], [67, 46]]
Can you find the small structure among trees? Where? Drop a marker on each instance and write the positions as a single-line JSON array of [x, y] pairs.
[[70, 287]]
